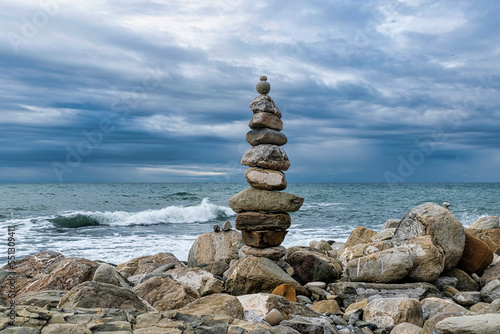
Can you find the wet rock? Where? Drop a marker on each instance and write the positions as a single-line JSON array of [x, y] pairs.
[[266, 156], [262, 200]]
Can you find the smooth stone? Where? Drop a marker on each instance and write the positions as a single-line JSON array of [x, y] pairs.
[[266, 156], [490, 236], [387, 312], [227, 226], [106, 273], [216, 228], [263, 87], [476, 257], [433, 306], [262, 239], [467, 298], [406, 328], [274, 317], [287, 291], [265, 179], [212, 247], [485, 223], [265, 120], [312, 265], [254, 221], [444, 228], [484, 324], [383, 235], [442, 281], [264, 103], [491, 291], [430, 324], [252, 199], [266, 136], [272, 253]]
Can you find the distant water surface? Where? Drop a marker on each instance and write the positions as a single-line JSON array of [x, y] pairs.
[[118, 222]]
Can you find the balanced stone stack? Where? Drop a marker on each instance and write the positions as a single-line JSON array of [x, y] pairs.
[[262, 209]]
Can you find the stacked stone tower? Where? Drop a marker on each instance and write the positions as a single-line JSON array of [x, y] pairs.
[[262, 209]]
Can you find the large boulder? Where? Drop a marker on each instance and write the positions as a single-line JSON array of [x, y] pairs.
[[146, 264], [476, 257], [213, 247], [386, 266], [444, 228], [217, 304], [311, 265], [101, 295], [66, 274], [490, 236], [254, 275], [387, 312], [485, 223], [266, 156], [163, 293], [252, 199], [106, 273], [262, 303], [197, 279], [483, 324], [39, 263], [360, 235]]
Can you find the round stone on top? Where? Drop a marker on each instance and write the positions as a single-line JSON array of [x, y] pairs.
[[263, 87]]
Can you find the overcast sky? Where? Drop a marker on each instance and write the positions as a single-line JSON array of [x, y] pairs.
[[158, 91]]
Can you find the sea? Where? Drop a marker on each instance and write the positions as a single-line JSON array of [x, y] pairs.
[[118, 222]]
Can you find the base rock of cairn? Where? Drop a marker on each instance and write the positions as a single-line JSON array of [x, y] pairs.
[[262, 210]]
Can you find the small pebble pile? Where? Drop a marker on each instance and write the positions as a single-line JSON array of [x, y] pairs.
[[262, 209]]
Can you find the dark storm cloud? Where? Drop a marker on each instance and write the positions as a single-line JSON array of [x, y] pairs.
[[159, 91]]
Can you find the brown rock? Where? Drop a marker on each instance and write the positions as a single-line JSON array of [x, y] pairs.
[[264, 103], [164, 293], [266, 120], [265, 179], [67, 274], [39, 263], [272, 253], [312, 264], [252, 199], [265, 136], [146, 264], [266, 156], [386, 312], [326, 306], [476, 256], [360, 235], [220, 304], [287, 291], [490, 236], [254, 221], [262, 239], [211, 247], [433, 306], [465, 282]]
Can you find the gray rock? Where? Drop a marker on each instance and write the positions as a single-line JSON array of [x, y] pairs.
[[391, 223], [263, 87], [484, 324], [444, 228], [106, 273], [163, 268], [467, 298], [465, 281], [265, 136], [266, 156], [310, 325], [227, 226], [197, 279], [441, 281], [264, 103], [265, 179], [486, 223], [262, 200], [491, 291], [49, 298], [433, 306], [266, 120], [101, 295]]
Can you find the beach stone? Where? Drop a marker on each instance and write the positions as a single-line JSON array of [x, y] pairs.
[[465, 281], [406, 328], [326, 306], [101, 295], [262, 239], [430, 324], [197, 279], [258, 274], [266, 136], [476, 257], [287, 291], [220, 304], [310, 325], [266, 120], [254, 221], [263, 87], [264, 103], [490, 236], [262, 200], [387, 312], [491, 273], [164, 293], [467, 298], [312, 269], [384, 267], [106, 273], [493, 307], [295, 257], [483, 324], [391, 223], [263, 303], [479, 307], [265, 179], [321, 245], [360, 235], [216, 228], [351, 292], [39, 263], [491, 290], [49, 298], [62, 329], [266, 156], [272, 253], [444, 228], [66, 274], [485, 223], [226, 226], [274, 317], [357, 307], [383, 235], [212, 247], [442, 281], [146, 264], [433, 306]]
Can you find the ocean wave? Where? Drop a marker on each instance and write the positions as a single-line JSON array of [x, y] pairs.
[[203, 212]]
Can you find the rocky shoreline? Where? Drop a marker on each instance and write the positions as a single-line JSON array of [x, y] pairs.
[[424, 273]]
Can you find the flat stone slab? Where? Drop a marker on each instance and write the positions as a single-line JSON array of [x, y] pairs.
[[265, 179], [254, 221], [272, 253], [266, 136], [252, 199], [265, 120], [266, 156], [262, 239]]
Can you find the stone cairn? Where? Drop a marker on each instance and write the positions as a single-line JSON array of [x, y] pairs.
[[262, 209]]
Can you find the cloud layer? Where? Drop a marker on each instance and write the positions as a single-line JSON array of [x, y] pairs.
[[158, 91]]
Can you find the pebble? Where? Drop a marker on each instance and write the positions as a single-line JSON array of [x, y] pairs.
[[227, 226], [274, 317]]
